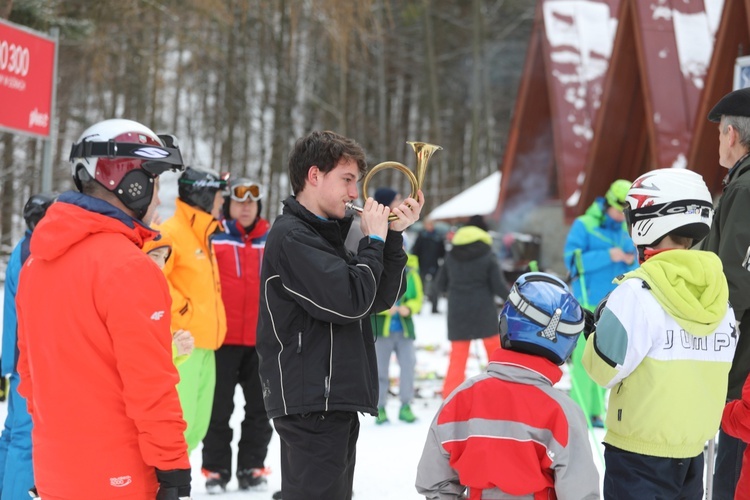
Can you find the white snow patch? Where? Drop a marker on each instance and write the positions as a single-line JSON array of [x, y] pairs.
[[573, 199], [680, 161]]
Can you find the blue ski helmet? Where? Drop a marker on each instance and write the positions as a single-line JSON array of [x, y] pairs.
[[541, 317]]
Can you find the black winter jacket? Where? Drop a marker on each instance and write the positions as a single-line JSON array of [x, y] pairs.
[[729, 238], [471, 275], [315, 342]]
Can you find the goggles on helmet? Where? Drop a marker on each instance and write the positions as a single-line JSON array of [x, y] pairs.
[[551, 325], [244, 191], [687, 207], [156, 159]]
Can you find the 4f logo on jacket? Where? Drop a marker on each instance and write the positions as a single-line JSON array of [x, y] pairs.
[[157, 315]]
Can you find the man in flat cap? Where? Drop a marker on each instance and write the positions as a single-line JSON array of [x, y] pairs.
[[729, 239]]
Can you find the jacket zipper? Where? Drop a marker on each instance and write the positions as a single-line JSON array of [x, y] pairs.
[[211, 260]]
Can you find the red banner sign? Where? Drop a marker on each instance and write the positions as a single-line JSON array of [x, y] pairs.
[[27, 69]]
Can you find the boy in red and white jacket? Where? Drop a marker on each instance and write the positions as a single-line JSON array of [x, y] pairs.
[[507, 432]]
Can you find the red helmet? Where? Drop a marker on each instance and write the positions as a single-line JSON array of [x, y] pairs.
[[124, 157]]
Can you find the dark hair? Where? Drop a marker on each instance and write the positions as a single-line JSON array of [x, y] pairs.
[[90, 187], [684, 241], [323, 149], [478, 221]]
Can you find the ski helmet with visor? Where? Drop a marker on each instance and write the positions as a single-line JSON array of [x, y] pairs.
[[124, 157], [668, 201]]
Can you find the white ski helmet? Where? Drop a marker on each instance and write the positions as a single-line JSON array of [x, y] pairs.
[[668, 200], [124, 157]]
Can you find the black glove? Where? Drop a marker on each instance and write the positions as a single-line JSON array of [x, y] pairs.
[[173, 484], [4, 386], [589, 324]]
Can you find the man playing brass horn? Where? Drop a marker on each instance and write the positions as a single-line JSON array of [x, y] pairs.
[[317, 358]]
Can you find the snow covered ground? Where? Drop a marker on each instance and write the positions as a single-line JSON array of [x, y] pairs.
[[387, 455]]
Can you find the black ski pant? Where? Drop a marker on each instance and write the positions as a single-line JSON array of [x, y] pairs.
[[631, 476], [430, 288], [728, 466], [237, 365], [318, 452]]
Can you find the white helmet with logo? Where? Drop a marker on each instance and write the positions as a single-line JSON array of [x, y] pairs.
[[668, 200]]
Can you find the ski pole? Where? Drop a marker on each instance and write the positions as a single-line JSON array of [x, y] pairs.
[[575, 389], [710, 469]]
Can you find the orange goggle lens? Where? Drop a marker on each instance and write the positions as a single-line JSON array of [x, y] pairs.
[[245, 191]]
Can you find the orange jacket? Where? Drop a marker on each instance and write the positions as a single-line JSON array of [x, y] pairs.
[[95, 356], [193, 276]]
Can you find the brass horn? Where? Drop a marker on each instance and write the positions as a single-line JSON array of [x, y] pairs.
[[423, 151]]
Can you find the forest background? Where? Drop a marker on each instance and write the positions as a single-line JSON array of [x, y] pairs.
[[238, 81]]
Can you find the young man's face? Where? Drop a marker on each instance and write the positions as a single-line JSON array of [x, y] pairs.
[[336, 188], [244, 212]]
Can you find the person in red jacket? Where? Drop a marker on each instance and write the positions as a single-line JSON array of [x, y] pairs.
[[93, 317], [239, 253], [508, 433], [736, 423]]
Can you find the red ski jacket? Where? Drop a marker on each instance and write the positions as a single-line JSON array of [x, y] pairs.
[[736, 422], [239, 255], [508, 433], [95, 356]]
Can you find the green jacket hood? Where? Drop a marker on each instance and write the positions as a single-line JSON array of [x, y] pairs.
[[689, 285], [412, 261], [470, 234]]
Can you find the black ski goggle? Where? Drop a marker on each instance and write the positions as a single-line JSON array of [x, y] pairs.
[[156, 159], [687, 207]]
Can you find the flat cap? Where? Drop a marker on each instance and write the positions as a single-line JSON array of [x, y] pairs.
[[736, 103]]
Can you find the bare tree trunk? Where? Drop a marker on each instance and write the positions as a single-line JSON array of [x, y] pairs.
[[343, 87], [6, 203], [155, 68], [382, 94], [435, 135], [231, 98], [476, 76], [5, 7], [178, 81], [281, 104]]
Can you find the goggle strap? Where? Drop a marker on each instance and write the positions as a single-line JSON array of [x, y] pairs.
[[113, 149], [205, 183], [664, 209], [538, 316]]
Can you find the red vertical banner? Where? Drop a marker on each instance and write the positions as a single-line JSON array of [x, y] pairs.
[[27, 72]]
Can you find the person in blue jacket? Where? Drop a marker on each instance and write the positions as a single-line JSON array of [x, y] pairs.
[[597, 250], [16, 472]]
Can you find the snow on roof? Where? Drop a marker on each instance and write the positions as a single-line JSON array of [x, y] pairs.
[[694, 36], [479, 199], [580, 34]]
